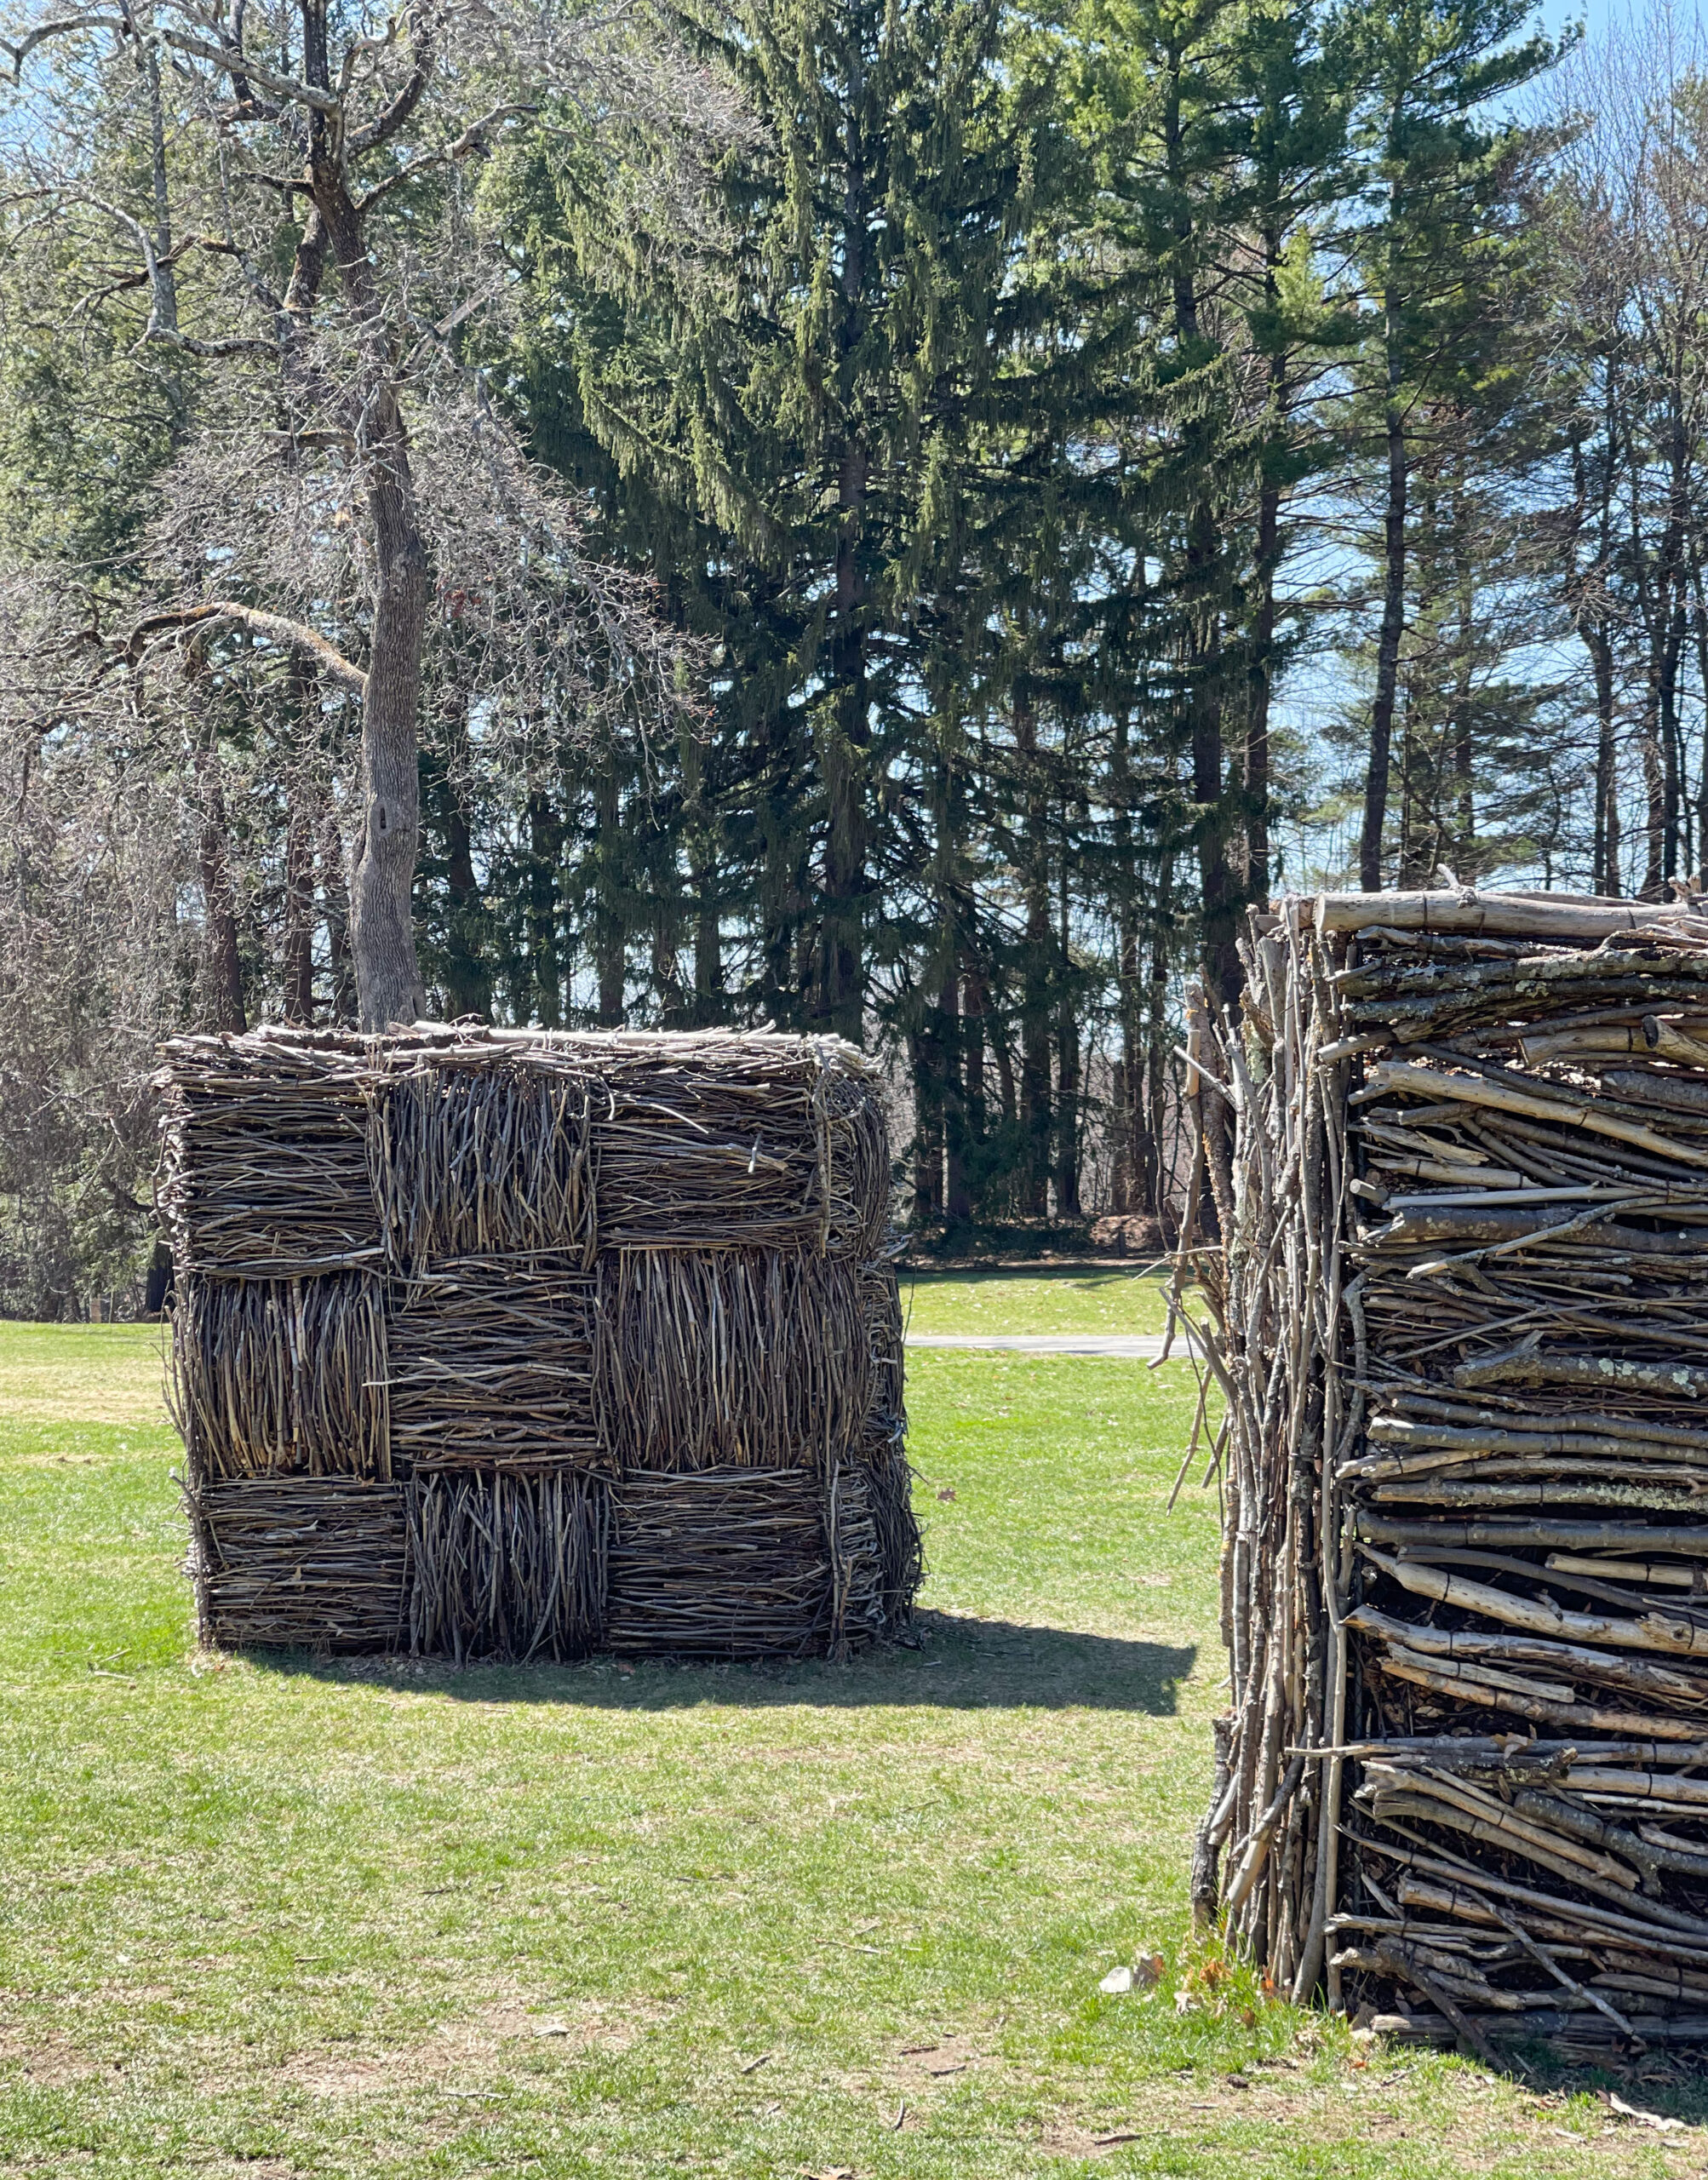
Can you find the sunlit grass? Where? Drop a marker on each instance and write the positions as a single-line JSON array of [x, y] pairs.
[[276, 1917], [84, 1373], [1110, 1298]]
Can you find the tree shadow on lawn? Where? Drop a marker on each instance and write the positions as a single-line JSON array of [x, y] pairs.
[[962, 1664]]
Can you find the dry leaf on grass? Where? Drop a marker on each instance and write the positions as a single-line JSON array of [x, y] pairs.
[[1656, 2119]]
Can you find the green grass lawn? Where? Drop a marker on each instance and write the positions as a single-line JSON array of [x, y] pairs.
[[276, 1917], [1068, 1298]]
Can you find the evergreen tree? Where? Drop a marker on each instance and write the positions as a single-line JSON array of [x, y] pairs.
[[1442, 246], [807, 403]]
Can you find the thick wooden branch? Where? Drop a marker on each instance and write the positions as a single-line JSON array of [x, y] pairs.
[[162, 327], [1557, 917], [292, 635], [243, 70], [239, 344], [17, 53], [345, 441], [1655, 1631], [287, 185], [247, 106], [392, 117], [1546, 1102], [472, 139]]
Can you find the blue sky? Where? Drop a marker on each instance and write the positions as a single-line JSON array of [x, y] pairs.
[[1558, 12]]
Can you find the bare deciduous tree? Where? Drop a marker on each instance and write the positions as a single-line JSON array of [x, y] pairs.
[[1631, 230], [310, 255]]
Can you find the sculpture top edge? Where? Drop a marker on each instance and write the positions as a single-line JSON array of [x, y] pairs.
[[474, 1042], [1463, 909]]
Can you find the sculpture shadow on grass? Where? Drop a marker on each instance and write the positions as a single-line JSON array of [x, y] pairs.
[[959, 1664]]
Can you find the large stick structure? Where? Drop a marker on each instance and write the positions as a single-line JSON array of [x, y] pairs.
[[1449, 1231], [522, 1345]]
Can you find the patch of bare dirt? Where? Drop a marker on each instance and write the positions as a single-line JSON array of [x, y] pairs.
[[1485, 2131], [52, 2056], [46, 2057], [468, 2051], [925, 2062]]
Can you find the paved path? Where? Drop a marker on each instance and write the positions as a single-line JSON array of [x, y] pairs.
[[1138, 1347]]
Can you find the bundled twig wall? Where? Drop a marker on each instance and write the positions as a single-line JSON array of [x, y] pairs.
[[1457, 1157], [882, 1444], [726, 1563], [900, 1554], [881, 1303], [859, 1575], [531, 1277], [475, 1153], [265, 1163], [508, 1565], [315, 1562], [757, 1358], [272, 1376], [692, 1155], [491, 1362]]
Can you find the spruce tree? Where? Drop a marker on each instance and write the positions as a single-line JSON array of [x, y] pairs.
[[806, 402], [1440, 187]]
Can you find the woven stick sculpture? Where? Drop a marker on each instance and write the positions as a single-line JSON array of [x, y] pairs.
[[524, 1285], [1456, 1154]]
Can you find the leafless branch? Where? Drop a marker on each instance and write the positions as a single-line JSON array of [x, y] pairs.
[[275, 628]]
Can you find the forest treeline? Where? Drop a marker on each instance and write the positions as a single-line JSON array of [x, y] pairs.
[[897, 518]]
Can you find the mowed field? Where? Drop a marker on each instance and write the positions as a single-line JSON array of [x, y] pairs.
[[275, 1917]]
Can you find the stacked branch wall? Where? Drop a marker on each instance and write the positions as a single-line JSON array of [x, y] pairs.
[[1452, 1232]]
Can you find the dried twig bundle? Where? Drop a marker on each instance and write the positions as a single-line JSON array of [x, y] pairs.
[[755, 1358], [880, 1304], [901, 1551], [483, 1150], [1458, 1323], [729, 1563], [314, 1562], [857, 1600], [493, 1363], [881, 1448], [507, 1565], [271, 1376], [854, 1163], [711, 1143], [264, 1168]]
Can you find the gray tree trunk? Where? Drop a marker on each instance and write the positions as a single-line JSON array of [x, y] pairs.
[[382, 865]]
